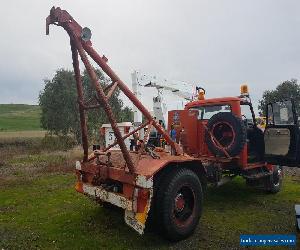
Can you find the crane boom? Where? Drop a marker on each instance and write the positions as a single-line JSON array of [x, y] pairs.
[[82, 46], [178, 88]]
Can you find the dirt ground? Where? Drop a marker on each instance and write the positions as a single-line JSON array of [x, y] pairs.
[[292, 171]]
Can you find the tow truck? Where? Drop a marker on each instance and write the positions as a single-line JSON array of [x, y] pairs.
[[215, 145]]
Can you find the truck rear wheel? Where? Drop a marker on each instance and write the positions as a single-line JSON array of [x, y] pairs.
[[179, 204]]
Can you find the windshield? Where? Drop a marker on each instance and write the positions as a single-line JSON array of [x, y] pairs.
[[206, 112]]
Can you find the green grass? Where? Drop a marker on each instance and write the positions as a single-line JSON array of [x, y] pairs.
[[19, 117], [40, 209], [237, 209], [47, 213]]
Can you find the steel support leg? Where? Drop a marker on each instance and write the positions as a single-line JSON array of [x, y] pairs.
[[105, 105], [82, 116]]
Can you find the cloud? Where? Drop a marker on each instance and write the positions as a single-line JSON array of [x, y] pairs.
[[216, 44]]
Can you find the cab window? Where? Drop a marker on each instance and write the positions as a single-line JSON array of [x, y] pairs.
[[247, 114], [206, 112]]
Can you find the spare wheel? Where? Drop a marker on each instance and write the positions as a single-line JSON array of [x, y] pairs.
[[227, 131]]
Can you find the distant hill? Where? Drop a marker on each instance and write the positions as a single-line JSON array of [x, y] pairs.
[[19, 117]]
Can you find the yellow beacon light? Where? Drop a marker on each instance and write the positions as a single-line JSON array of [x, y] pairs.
[[244, 90]]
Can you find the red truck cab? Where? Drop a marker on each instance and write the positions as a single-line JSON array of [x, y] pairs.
[[203, 134]]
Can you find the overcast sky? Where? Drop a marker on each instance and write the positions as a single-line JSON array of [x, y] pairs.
[[215, 44]]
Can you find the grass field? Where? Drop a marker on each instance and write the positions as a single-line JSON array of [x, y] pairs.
[[19, 117], [39, 209]]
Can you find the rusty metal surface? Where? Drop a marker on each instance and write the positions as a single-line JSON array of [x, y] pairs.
[[91, 171], [113, 198], [145, 165], [62, 18], [82, 116], [148, 166], [216, 142], [254, 165], [112, 89], [105, 106]]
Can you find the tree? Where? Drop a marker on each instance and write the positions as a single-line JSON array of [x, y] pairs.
[[59, 105], [286, 90]]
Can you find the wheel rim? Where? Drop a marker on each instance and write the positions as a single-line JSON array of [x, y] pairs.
[[184, 205], [224, 134]]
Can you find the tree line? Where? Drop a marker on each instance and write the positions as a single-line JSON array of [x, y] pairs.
[[289, 89], [59, 105]]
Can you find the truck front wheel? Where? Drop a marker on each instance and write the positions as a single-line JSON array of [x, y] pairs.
[[179, 204], [273, 183]]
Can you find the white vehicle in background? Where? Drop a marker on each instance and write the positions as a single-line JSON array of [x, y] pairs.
[[184, 91], [125, 128]]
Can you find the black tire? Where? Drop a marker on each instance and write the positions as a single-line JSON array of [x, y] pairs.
[[229, 130], [178, 204], [273, 184], [252, 183]]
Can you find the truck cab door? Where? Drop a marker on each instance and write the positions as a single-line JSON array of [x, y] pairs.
[[282, 134]]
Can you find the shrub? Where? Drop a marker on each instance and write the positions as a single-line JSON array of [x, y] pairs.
[[53, 143]]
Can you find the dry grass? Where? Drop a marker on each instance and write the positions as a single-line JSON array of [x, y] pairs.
[[29, 158], [22, 134], [25, 168]]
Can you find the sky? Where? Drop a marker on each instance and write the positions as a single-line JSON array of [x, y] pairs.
[[216, 44]]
